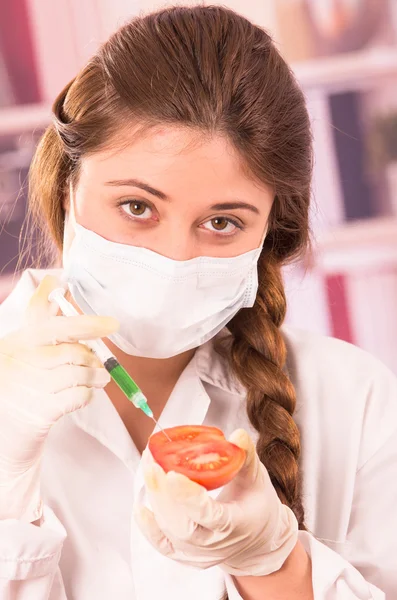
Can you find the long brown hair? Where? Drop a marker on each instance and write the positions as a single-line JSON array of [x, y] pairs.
[[209, 69]]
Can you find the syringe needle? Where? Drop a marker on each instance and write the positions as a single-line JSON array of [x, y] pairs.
[[161, 429]]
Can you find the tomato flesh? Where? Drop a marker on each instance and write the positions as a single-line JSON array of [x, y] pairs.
[[199, 452], [185, 433]]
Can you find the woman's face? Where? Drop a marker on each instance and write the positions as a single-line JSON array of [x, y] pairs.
[[172, 192]]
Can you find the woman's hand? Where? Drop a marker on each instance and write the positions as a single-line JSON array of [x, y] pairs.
[[246, 530], [45, 373]]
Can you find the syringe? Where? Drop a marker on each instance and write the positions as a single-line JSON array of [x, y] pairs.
[[109, 361]]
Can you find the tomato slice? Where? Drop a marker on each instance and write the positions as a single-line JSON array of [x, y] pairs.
[[184, 433], [201, 453]]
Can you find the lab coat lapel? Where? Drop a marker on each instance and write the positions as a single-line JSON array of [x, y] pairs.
[[101, 420], [188, 404]]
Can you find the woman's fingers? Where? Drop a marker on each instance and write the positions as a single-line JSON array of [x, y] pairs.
[[195, 502], [150, 529], [65, 402], [41, 379], [56, 330], [248, 473], [179, 504], [39, 308], [168, 514], [64, 377], [50, 357]]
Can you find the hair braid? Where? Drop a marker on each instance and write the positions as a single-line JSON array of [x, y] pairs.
[[257, 356]]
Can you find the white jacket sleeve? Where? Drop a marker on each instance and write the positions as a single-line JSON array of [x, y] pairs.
[[333, 577], [364, 567], [29, 557]]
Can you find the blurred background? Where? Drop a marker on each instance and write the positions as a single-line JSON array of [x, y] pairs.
[[344, 54]]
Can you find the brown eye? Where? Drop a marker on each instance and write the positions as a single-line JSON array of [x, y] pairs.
[[137, 209], [220, 223], [223, 225]]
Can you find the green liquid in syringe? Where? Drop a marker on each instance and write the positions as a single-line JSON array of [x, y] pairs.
[[127, 385]]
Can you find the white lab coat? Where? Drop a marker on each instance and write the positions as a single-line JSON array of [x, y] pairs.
[[89, 547]]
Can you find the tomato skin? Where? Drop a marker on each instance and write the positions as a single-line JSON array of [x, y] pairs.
[[199, 452]]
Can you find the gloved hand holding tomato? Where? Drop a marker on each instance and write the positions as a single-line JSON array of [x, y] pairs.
[[246, 530], [199, 452]]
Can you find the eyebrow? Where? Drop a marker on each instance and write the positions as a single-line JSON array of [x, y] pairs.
[[234, 205], [139, 184], [147, 188]]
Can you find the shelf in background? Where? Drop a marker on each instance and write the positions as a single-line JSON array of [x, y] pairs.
[[366, 245], [26, 117], [347, 71]]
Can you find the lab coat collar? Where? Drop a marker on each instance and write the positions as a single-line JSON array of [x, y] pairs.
[[214, 369], [101, 420], [188, 403]]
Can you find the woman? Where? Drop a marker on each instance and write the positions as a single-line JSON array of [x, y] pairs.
[[175, 178]]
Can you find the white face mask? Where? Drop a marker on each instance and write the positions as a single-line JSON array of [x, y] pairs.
[[164, 306]]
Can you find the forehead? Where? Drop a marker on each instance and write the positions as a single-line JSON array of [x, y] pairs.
[[171, 156], [164, 147]]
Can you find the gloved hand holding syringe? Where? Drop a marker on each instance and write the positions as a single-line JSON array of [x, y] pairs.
[[109, 361], [47, 371]]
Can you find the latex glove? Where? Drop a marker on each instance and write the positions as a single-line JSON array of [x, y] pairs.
[[246, 530], [44, 374]]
